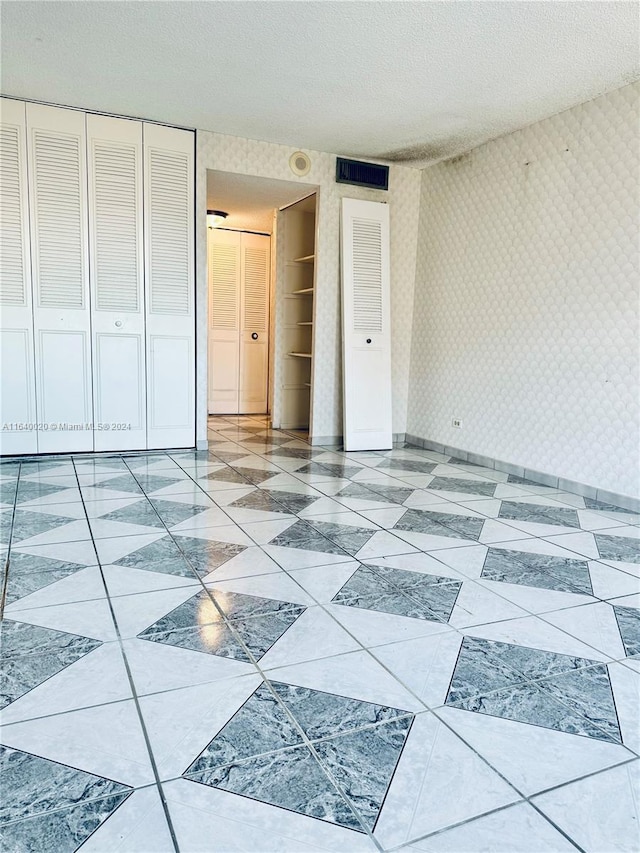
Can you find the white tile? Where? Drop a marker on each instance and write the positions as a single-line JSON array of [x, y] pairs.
[[600, 812], [251, 561], [134, 613], [139, 825], [235, 824], [593, 624], [608, 582], [516, 829], [625, 683], [323, 582], [262, 532], [477, 604], [83, 585], [373, 628], [384, 544], [277, 585], [82, 552], [300, 558], [156, 667], [106, 740], [85, 618], [126, 580], [94, 679], [110, 550], [225, 533], [355, 674], [434, 764], [313, 635], [532, 758]]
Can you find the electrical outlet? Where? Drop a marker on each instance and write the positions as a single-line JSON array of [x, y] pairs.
[[457, 423]]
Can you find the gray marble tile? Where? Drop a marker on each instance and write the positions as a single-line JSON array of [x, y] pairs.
[[405, 579], [363, 764], [256, 475], [197, 610], [226, 475], [413, 465], [521, 481], [372, 492], [529, 703], [125, 483], [267, 440], [32, 654], [261, 725], [163, 556], [142, 461], [628, 619], [23, 564], [622, 548], [174, 512], [539, 570], [262, 501], [436, 600], [205, 555], [33, 785], [478, 670], [323, 715], [471, 487], [291, 501], [20, 584], [330, 469], [215, 638], [29, 491], [153, 482], [539, 514], [224, 456], [8, 491], [302, 535], [141, 513], [27, 523], [600, 506], [294, 453], [259, 633], [587, 692], [237, 605], [350, 539], [440, 524], [291, 779]]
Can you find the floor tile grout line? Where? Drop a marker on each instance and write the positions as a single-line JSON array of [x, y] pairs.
[[136, 701]]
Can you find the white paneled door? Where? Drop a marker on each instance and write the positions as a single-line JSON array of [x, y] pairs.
[[239, 274], [17, 390], [169, 292], [366, 327], [116, 261], [224, 321], [59, 257]]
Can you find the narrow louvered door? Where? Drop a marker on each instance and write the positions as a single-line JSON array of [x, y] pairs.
[[224, 321], [254, 335], [169, 285], [114, 148], [17, 392], [366, 329], [58, 219]]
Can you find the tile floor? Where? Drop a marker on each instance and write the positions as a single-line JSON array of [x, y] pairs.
[[273, 647]]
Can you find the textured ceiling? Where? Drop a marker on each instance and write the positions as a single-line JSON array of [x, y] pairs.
[[406, 81], [250, 201]]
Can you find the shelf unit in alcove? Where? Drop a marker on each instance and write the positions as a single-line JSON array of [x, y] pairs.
[[298, 223]]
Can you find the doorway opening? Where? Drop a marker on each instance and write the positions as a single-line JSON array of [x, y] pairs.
[[261, 284]]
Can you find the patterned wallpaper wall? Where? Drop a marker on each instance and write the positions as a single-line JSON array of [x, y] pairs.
[[526, 321], [264, 159]]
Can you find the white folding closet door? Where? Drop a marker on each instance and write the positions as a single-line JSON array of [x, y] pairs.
[[59, 241], [254, 335], [17, 390], [169, 291], [224, 321], [116, 271], [366, 328]]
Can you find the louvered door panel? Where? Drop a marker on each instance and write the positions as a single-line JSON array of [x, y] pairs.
[[254, 335], [59, 258], [116, 271], [224, 268], [169, 289], [17, 398], [366, 334]]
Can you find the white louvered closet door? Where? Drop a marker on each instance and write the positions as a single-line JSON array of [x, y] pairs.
[[254, 336], [169, 291], [116, 256], [366, 328], [17, 394], [224, 321], [58, 216]]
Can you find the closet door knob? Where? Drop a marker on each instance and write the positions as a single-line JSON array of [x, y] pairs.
[[368, 340], [118, 323], [254, 336]]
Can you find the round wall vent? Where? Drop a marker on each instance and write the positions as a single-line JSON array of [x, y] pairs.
[[299, 163]]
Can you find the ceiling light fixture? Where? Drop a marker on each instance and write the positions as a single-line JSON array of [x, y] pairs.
[[215, 218]]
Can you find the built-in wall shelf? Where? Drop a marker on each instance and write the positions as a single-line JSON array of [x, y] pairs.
[[308, 259], [304, 290], [308, 384], [301, 354], [306, 323]]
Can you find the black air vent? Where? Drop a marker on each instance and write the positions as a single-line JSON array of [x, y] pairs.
[[362, 174]]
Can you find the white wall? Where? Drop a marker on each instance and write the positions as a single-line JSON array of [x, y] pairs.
[[526, 318], [250, 157]]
